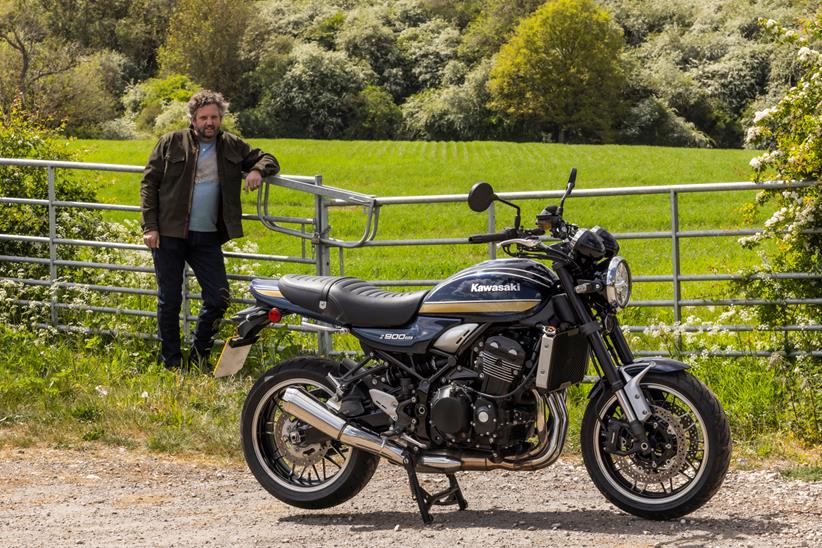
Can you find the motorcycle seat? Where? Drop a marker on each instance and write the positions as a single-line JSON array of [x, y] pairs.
[[351, 301]]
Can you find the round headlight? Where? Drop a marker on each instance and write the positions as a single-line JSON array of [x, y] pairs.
[[618, 283]]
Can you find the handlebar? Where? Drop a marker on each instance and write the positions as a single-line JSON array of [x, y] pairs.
[[493, 237]]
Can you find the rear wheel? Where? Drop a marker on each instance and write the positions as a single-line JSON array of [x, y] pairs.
[[690, 448], [294, 461]]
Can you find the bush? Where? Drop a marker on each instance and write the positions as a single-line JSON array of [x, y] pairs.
[[22, 136], [653, 122], [147, 101], [457, 112], [311, 94], [792, 240], [375, 115]]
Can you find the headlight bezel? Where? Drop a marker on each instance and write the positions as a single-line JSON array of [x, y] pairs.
[[615, 277]]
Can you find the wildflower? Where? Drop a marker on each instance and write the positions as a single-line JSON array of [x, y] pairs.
[[753, 134], [762, 114], [102, 390], [756, 163]]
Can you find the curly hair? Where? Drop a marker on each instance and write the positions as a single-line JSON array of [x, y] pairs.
[[206, 97]]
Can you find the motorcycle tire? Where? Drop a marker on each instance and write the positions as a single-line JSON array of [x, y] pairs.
[[690, 448], [284, 453]]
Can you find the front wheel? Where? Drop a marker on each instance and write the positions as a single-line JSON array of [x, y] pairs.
[[690, 448]]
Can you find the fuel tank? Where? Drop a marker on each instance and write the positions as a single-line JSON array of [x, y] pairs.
[[500, 289]]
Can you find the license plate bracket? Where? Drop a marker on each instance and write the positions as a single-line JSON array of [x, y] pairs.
[[232, 358]]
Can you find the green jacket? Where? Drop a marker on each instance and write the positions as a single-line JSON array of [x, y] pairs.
[[168, 182]]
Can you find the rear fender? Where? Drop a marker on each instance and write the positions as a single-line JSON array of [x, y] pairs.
[[250, 322], [660, 365]]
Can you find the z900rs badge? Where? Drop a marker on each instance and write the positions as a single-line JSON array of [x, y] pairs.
[[396, 337], [481, 288]]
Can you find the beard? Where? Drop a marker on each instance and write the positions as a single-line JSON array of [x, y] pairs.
[[207, 131]]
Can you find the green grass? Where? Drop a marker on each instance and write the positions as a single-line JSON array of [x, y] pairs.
[[48, 393], [805, 473], [390, 168]]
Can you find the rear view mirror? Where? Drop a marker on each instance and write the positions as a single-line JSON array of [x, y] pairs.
[[481, 197]]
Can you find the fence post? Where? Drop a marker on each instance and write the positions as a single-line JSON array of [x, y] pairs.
[[52, 244], [492, 227], [676, 262], [323, 258]]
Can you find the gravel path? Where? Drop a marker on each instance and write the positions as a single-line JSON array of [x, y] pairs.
[[109, 497]]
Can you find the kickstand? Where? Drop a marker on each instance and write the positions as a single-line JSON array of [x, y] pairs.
[[425, 500]]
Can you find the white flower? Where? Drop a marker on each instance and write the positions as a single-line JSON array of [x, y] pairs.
[[759, 115], [144, 395], [756, 163], [102, 390], [752, 134]]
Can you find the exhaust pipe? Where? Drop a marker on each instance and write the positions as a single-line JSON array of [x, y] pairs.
[[307, 408], [310, 410]]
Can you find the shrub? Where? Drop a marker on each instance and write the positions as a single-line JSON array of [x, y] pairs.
[[23, 136], [313, 97], [375, 115], [791, 240], [146, 101], [457, 112]]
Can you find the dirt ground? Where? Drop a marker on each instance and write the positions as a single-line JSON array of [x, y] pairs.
[[109, 496]]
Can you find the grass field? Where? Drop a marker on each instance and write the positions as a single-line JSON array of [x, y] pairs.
[[94, 389], [390, 168]]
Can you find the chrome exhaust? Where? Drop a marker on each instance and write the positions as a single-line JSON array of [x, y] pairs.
[[310, 410], [307, 408]]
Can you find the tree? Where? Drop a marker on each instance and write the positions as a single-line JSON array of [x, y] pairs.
[[313, 95], [374, 115], [561, 70], [364, 36], [134, 28], [493, 26], [428, 49], [204, 42], [456, 112], [24, 29]]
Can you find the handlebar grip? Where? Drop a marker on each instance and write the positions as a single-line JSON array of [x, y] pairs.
[[485, 238]]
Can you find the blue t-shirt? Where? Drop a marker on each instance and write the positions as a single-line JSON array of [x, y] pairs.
[[206, 199]]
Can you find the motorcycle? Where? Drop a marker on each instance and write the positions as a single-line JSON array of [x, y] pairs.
[[472, 376]]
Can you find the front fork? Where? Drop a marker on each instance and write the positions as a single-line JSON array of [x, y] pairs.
[[627, 389]]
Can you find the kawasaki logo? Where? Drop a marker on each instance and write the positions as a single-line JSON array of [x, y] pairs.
[[480, 288]]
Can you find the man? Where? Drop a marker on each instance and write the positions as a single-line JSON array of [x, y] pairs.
[[191, 205]]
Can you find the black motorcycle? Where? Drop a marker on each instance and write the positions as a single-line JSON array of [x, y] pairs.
[[472, 375]]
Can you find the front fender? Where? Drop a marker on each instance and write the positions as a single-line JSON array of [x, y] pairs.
[[660, 365]]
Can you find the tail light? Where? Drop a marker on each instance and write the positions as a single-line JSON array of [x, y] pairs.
[[274, 315]]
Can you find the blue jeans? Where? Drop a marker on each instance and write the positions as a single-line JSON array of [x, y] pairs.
[[202, 251]]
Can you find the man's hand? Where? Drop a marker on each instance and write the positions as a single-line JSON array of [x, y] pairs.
[[253, 180], [152, 239]]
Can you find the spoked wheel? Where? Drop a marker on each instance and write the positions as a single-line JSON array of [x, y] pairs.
[[688, 454], [294, 461]]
